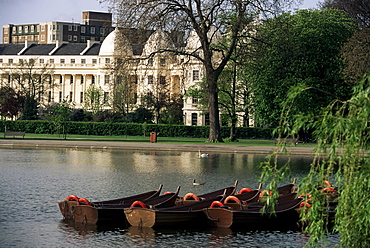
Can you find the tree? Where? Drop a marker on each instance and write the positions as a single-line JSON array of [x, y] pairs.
[[31, 80], [357, 9], [295, 49], [208, 19], [93, 99], [11, 103], [341, 157]]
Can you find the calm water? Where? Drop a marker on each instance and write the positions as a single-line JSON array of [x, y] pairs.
[[34, 180]]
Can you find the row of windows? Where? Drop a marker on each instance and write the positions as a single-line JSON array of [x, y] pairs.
[[27, 29], [70, 97]]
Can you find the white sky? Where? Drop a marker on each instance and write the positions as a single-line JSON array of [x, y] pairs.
[[35, 11]]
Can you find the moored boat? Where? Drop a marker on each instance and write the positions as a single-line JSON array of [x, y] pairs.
[[68, 205], [284, 217], [188, 212]]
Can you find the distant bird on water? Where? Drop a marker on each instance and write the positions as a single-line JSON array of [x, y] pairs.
[[203, 155], [197, 183]]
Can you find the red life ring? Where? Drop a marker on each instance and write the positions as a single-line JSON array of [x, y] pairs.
[[243, 190], [84, 201], [167, 192], [329, 189], [217, 204], [233, 199], [266, 193], [138, 204], [72, 198], [191, 196], [305, 204], [306, 195], [327, 183]]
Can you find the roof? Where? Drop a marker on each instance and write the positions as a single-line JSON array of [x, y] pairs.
[[39, 49], [10, 49]]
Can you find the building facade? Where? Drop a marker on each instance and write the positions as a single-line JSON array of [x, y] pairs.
[[95, 26], [76, 66]]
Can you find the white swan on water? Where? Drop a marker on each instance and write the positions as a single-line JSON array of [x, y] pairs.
[[203, 155]]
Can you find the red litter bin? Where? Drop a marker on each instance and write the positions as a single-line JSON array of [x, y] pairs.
[[153, 137]]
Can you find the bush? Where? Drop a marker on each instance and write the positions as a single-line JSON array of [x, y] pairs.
[[133, 129]]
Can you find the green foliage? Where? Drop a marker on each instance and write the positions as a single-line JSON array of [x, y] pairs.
[[132, 129], [303, 48], [342, 134]]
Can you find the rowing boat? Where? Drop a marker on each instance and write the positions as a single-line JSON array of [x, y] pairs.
[[185, 214]]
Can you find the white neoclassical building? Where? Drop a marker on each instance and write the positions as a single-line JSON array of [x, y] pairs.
[[76, 66]]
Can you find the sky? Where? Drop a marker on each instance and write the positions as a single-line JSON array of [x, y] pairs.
[[35, 11]]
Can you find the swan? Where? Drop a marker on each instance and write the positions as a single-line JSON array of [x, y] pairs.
[[197, 183], [203, 155]]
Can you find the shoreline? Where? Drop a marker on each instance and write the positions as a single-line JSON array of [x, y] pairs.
[[206, 147]]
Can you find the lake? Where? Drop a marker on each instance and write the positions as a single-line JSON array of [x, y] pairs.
[[33, 181]]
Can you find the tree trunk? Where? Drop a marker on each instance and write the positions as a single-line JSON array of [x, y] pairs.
[[214, 116]]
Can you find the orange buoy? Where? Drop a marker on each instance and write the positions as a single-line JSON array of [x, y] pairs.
[[167, 192], [217, 204], [72, 198], [84, 201], [232, 199], [243, 190], [191, 196], [140, 204]]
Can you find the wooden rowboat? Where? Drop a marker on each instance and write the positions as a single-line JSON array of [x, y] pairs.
[[66, 206], [285, 217], [189, 213], [113, 213]]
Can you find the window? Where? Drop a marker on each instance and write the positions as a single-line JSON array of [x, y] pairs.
[[20, 29], [92, 30], [26, 29], [150, 79], [10, 61], [94, 61], [51, 61], [60, 79], [60, 96], [195, 75], [70, 37], [14, 30], [162, 79], [69, 27], [106, 79], [83, 39], [20, 61], [82, 79], [194, 100], [81, 97], [5, 31], [162, 61], [74, 37], [54, 27], [49, 96], [194, 119], [92, 79], [83, 61], [73, 61], [75, 28], [1, 60], [53, 37], [41, 61], [32, 29], [106, 97], [70, 96], [107, 60], [6, 40], [150, 62], [62, 61], [102, 31], [71, 79], [42, 27], [83, 29], [42, 37]]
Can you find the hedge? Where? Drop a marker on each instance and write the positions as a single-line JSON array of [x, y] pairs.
[[132, 129]]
